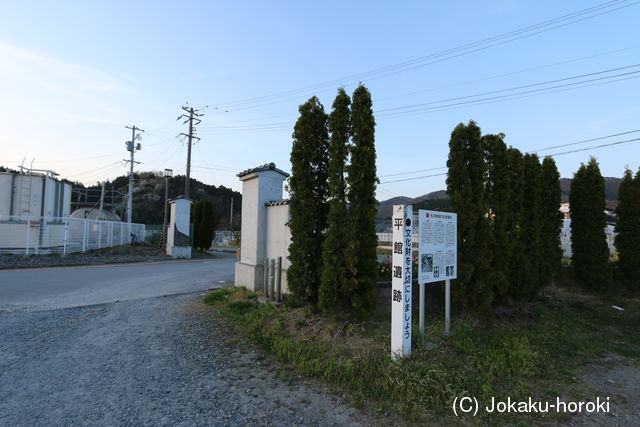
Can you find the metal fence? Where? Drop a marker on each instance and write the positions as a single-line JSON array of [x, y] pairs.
[[34, 235]]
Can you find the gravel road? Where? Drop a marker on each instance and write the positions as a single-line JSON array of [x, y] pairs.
[[152, 361]]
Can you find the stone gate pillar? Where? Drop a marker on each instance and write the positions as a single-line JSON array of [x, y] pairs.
[[179, 225], [259, 186]]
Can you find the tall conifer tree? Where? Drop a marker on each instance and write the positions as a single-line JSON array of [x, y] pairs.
[[590, 253], [530, 226], [551, 221], [333, 295], [498, 196], [628, 229], [361, 225], [518, 260], [308, 192], [466, 188]]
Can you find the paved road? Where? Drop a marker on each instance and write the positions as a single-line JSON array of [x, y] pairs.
[[48, 288]]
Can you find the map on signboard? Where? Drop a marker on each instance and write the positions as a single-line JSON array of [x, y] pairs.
[[438, 246]]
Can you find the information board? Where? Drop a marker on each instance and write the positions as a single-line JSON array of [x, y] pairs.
[[438, 246]]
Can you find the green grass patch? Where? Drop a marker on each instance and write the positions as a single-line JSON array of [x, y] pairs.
[[218, 295], [532, 350]]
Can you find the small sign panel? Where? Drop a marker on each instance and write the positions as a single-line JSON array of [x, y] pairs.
[[401, 281], [438, 246]]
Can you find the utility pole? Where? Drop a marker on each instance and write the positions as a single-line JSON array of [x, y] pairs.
[[231, 217], [168, 173], [193, 116], [132, 147], [101, 201]]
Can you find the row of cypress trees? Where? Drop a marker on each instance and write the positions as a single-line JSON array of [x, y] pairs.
[[333, 205], [588, 221], [508, 219]]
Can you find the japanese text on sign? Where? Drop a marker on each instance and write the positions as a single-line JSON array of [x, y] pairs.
[[438, 246]]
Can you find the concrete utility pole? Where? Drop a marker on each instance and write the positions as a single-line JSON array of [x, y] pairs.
[[193, 115], [132, 147], [101, 201], [168, 173]]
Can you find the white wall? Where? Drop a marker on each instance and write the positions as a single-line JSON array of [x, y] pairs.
[[279, 238], [565, 238], [27, 196], [258, 188], [5, 194]]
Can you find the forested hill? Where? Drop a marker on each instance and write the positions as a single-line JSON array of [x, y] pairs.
[[148, 197]]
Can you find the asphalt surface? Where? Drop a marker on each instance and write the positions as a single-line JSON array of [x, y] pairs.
[[63, 287], [144, 360]]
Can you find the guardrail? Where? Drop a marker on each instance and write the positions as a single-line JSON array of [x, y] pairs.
[[34, 235]]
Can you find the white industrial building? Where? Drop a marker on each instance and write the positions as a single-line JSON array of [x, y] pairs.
[[35, 218], [35, 193]]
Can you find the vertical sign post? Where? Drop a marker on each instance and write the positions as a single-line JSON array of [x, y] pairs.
[[438, 256], [401, 282]]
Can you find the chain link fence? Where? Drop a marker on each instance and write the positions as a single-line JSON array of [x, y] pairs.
[[36, 235]]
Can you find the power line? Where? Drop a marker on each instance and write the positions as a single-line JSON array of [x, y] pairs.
[[543, 149], [594, 147], [586, 140], [564, 20], [416, 177], [496, 100], [511, 73], [448, 103], [521, 87], [408, 173]]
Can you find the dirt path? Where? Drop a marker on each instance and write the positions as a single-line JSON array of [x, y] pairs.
[[155, 361], [619, 379]]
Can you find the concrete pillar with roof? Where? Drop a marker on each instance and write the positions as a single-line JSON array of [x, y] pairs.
[[260, 186]]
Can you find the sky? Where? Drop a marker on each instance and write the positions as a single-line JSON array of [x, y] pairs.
[[73, 74]]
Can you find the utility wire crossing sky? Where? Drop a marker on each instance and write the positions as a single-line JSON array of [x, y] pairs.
[[545, 73]]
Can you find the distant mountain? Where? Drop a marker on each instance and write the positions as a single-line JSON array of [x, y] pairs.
[[611, 186], [439, 199], [385, 207], [395, 201]]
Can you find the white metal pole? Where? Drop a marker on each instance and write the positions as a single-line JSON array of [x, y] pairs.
[[422, 307], [26, 248], [447, 307], [66, 237], [101, 200], [84, 236]]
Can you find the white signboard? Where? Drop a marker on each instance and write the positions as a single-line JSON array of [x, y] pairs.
[[438, 246], [401, 281]]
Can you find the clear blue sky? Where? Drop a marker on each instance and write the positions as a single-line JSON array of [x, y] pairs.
[[74, 74]]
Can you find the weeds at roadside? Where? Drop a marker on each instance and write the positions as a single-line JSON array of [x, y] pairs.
[[527, 355]]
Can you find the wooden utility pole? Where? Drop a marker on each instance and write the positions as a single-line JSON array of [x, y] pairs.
[[190, 118]]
